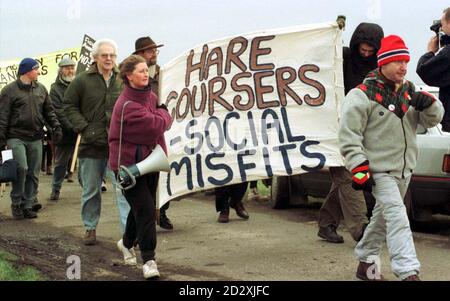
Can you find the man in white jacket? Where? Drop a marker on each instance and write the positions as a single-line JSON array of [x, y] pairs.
[[378, 140]]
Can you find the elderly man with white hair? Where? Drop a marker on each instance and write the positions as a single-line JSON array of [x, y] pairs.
[[88, 104]]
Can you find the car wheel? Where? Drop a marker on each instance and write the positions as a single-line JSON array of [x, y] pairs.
[[409, 205], [280, 192], [418, 215], [411, 210]]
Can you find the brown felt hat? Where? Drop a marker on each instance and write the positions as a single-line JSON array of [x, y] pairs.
[[144, 43]]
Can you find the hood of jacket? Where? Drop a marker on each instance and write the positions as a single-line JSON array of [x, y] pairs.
[[370, 33]]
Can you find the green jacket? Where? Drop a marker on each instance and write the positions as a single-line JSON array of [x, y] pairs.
[[24, 109], [88, 104]]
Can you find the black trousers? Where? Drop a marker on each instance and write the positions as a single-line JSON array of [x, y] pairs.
[[164, 207], [47, 156], [162, 210], [141, 219], [231, 193]]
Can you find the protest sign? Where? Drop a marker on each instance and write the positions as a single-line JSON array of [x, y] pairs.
[[252, 106], [85, 54], [48, 67]]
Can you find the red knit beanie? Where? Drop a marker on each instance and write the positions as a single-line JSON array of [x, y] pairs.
[[392, 49]]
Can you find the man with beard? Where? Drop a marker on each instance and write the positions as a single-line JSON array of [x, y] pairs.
[[343, 201], [147, 48], [64, 149]]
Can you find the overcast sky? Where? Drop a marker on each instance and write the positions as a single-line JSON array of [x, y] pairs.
[[34, 27]]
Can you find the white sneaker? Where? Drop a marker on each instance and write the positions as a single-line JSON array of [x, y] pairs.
[[150, 269], [129, 256]]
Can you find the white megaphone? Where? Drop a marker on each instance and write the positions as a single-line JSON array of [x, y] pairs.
[[156, 161]]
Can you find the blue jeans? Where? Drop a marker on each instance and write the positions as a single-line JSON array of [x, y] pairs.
[[122, 204], [63, 153], [28, 155], [91, 172]]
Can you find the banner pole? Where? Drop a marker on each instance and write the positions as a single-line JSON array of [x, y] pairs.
[[75, 154]]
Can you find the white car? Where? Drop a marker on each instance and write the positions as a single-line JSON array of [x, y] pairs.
[[429, 190]]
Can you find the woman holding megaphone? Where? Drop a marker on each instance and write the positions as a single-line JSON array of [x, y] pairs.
[[137, 125]]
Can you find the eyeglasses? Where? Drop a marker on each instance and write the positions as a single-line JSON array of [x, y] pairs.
[[152, 51], [106, 55]]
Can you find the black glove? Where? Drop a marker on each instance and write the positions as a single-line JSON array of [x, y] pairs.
[[362, 178], [57, 135], [162, 106], [421, 100]]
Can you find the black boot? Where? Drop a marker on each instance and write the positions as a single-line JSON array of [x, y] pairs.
[[164, 221], [54, 196], [69, 177], [36, 206], [329, 234], [240, 209], [49, 171], [29, 213], [224, 216], [17, 211]]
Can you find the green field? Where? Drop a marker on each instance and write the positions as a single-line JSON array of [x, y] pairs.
[[11, 270]]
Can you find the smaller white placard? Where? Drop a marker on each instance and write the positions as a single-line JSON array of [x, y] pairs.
[[7, 154]]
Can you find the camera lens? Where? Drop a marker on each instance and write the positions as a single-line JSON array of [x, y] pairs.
[[436, 26]]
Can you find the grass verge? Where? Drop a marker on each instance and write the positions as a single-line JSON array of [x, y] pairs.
[[262, 189], [11, 270]]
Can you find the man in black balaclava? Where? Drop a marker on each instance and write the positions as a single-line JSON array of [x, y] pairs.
[[343, 201]]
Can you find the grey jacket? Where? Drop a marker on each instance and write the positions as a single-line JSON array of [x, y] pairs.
[[370, 131]]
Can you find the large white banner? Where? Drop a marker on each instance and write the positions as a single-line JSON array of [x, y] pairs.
[[251, 107]]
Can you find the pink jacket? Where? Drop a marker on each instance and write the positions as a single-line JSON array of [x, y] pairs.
[[143, 127]]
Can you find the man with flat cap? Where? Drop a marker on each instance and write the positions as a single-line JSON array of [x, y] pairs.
[[148, 49], [64, 149]]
